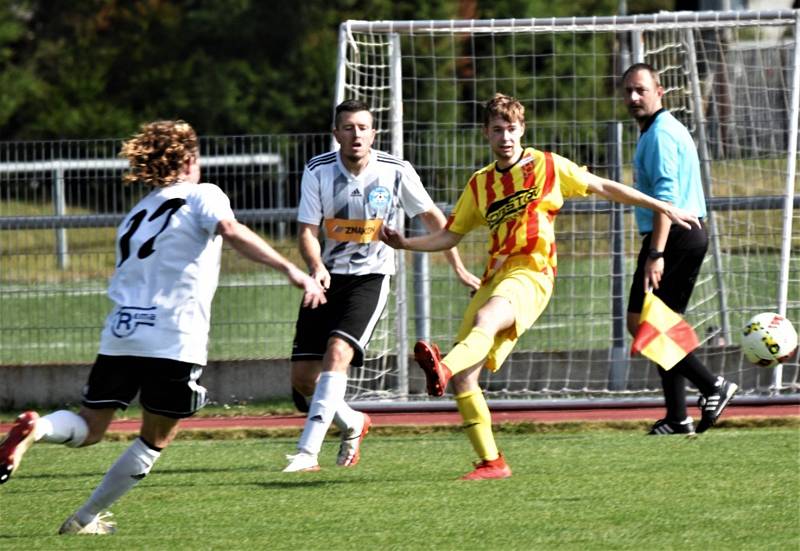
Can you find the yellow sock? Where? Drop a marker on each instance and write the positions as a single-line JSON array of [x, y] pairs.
[[478, 423], [470, 351]]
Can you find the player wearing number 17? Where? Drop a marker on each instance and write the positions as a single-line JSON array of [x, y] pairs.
[[155, 340], [518, 197]]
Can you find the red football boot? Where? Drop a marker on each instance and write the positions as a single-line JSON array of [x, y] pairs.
[[489, 469], [436, 374]]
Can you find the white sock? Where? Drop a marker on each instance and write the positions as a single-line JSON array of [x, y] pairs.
[[328, 396], [346, 418], [132, 466], [61, 427]]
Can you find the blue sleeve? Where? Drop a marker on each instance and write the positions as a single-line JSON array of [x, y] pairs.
[[663, 165]]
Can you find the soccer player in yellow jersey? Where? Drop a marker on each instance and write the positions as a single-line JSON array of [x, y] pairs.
[[518, 197]]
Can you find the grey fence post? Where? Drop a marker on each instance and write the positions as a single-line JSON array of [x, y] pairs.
[[60, 209], [620, 360], [422, 290]]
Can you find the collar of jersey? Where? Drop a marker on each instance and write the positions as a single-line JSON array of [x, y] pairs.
[[373, 159], [521, 156]]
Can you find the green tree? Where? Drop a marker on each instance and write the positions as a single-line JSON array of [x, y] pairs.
[[99, 68]]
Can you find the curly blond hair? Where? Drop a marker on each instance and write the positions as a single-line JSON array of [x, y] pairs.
[[505, 107], [159, 152]]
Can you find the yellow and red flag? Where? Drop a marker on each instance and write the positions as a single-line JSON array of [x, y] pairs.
[[663, 336]]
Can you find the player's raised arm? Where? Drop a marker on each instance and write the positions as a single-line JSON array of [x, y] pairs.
[[434, 220], [251, 246], [438, 241], [620, 193]]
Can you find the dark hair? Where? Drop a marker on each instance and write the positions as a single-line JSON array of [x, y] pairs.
[[349, 106], [506, 107], [642, 67]]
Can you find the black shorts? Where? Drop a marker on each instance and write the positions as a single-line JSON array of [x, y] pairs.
[[355, 304], [166, 387], [683, 257]]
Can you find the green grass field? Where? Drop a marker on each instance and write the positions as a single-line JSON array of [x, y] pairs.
[[728, 489]]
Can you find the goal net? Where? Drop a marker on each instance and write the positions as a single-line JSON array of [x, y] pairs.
[[731, 77]]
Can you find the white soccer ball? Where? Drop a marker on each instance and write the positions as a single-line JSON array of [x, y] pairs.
[[769, 339]]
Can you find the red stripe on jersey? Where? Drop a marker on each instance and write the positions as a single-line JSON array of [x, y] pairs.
[[511, 237], [473, 185], [507, 179], [550, 173], [533, 218], [491, 195], [532, 230]]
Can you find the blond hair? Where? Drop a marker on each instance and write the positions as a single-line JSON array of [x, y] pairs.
[[159, 152], [506, 107]]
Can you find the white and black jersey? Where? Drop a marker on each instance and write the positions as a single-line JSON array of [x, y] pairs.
[[352, 209], [167, 269]]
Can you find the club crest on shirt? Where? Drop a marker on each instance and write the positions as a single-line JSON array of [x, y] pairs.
[[128, 318], [378, 198]]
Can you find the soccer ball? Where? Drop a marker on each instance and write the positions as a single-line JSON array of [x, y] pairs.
[[769, 339]]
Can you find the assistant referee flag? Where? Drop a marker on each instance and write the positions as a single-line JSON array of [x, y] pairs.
[[663, 336]]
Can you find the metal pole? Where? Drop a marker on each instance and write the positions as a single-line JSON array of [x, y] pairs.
[[788, 196], [422, 289], [620, 361], [60, 207], [705, 170], [280, 198], [341, 77], [396, 131]]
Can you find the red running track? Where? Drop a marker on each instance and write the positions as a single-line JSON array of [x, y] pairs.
[[453, 418]]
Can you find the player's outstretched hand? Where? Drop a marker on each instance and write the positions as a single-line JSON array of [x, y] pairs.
[[313, 293], [468, 279], [681, 217], [392, 237], [322, 276]]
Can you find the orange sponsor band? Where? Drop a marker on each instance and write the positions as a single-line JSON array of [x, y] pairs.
[[355, 231]]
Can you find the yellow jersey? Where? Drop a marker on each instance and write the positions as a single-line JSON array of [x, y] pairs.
[[519, 205]]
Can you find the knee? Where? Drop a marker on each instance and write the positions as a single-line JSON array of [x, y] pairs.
[[339, 354]]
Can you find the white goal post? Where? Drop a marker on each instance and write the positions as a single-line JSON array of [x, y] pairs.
[[731, 77]]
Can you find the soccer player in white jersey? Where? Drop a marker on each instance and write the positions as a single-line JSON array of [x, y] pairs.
[[350, 193], [155, 339]]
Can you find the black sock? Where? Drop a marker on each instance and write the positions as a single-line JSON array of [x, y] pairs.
[[674, 386], [693, 369]]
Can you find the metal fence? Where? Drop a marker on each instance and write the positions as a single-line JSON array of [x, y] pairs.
[[60, 203]]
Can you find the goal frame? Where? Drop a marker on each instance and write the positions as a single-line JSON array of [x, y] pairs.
[[634, 26]]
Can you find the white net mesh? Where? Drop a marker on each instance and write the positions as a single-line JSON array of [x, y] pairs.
[[426, 82]]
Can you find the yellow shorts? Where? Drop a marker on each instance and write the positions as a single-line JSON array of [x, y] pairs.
[[528, 292]]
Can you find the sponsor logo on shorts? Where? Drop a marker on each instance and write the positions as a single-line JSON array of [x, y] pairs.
[[128, 318]]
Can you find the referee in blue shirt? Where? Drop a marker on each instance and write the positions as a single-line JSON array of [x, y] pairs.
[[667, 168]]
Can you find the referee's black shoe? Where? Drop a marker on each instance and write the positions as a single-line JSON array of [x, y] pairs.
[[664, 426], [712, 406]]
